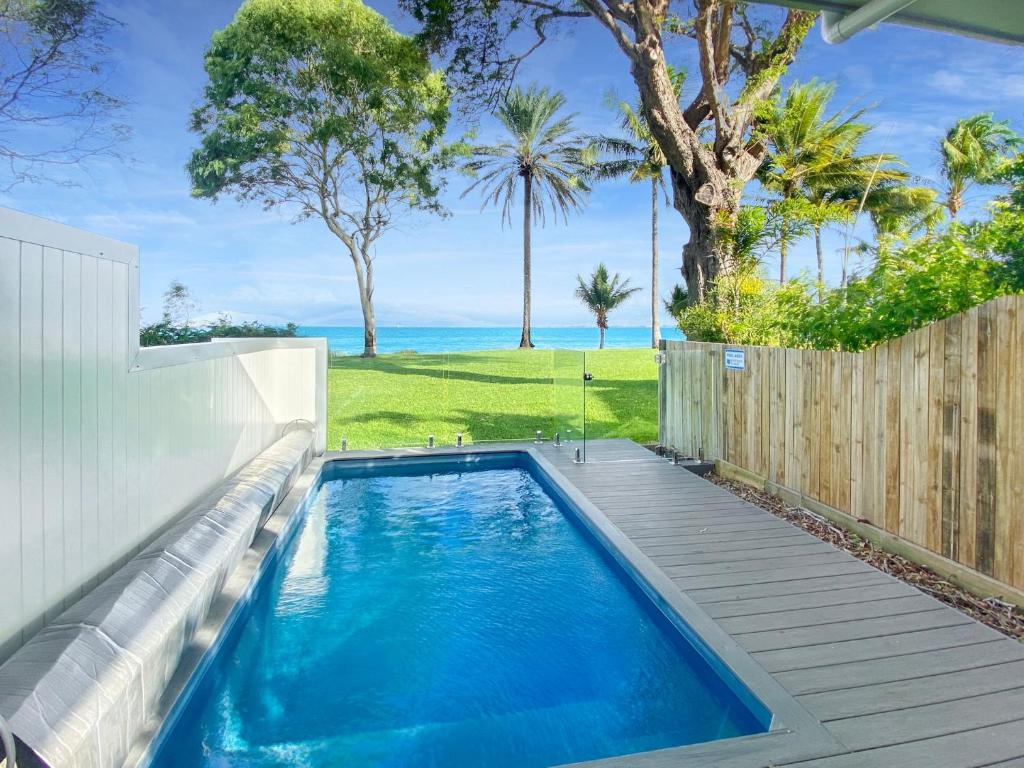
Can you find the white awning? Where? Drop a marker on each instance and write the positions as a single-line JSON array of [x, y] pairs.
[[998, 20]]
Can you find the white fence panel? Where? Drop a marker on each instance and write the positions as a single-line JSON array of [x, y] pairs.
[[102, 444]]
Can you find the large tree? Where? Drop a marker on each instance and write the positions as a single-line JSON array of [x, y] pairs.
[[55, 107], [741, 59], [543, 160], [322, 107]]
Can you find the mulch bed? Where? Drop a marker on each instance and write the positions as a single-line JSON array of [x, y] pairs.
[[1006, 618]]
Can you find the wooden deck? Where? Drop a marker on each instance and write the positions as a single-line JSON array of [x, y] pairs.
[[899, 679]]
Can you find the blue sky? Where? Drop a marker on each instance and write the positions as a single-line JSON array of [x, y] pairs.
[[465, 269]]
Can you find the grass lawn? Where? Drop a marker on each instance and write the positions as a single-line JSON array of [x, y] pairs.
[[397, 400]]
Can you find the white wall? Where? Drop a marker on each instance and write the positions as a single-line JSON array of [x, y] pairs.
[[102, 443]]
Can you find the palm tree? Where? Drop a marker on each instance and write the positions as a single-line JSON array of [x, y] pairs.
[[640, 159], [894, 207], [545, 155], [602, 295], [813, 166], [972, 151], [677, 301]]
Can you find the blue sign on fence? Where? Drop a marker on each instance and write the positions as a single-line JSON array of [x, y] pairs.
[[736, 359]]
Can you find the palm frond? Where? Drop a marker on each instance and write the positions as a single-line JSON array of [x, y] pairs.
[[602, 293], [543, 150]]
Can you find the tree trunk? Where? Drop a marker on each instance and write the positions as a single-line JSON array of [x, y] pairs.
[[365, 282], [954, 203], [821, 261], [783, 249], [600, 344], [525, 342], [705, 255], [707, 178], [362, 263], [655, 325]]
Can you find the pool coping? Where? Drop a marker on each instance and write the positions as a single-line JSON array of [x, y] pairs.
[[794, 734]]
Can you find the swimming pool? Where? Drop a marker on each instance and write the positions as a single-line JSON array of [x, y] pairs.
[[446, 613]]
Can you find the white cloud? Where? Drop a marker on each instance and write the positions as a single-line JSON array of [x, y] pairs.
[[133, 221], [981, 81]]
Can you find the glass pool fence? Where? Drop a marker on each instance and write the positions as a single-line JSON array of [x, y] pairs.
[[409, 400]]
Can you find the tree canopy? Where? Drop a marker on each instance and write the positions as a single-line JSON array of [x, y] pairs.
[[322, 107], [319, 103], [742, 55], [544, 151], [973, 152], [55, 108]]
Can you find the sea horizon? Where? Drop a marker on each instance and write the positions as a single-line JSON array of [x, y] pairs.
[[344, 339]]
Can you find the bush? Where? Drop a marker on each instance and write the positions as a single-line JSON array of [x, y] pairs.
[[165, 332], [911, 284], [742, 308]]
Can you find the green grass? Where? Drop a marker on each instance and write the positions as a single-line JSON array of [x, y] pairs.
[[397, 400]]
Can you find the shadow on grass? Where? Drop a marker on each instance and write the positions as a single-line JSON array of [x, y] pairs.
[[436, 367]]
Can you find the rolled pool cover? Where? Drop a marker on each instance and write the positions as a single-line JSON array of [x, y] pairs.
[[81, 691]]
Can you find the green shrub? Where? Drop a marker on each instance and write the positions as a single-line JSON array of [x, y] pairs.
[[166, 333], [910, 285]]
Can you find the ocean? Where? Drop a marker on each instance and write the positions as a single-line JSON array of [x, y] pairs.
[[349, 339]]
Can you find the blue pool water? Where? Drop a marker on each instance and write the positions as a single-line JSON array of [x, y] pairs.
[[448, 617]]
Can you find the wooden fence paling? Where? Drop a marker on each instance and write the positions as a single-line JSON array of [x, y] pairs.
[[922, 436]]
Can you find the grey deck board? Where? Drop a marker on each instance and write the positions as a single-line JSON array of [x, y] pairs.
[[781, 619], [898, 678], [809, 585], [730, 537], [749, 554], [877, 672], [878, 648], [720, 523], [696, 548], [745, 525], [729, 609], [968, 749], [764, 575], [933, 689], [929, 720], [747, 565], [675, 514], [846, 631]]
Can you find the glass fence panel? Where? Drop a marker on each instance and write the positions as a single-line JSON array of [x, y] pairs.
[[400, 400], [569, 397], [501, 395], [395, 400]]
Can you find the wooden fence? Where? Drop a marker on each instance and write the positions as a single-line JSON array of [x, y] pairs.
[[922, 436]]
